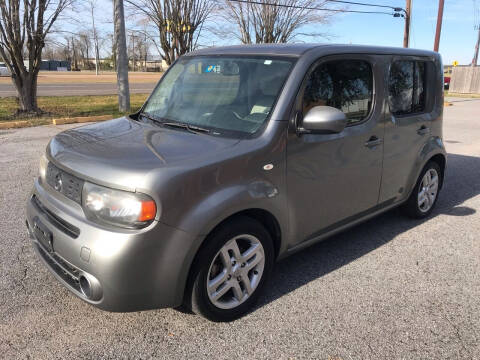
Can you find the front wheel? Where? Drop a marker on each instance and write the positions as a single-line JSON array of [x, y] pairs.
[[231, 270], [425, 194]]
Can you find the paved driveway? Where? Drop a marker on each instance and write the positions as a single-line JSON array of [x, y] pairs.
[[389, 288]]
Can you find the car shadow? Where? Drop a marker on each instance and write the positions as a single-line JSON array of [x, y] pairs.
[[461, 183]]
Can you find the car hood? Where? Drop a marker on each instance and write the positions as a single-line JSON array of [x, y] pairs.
[[123, 151]]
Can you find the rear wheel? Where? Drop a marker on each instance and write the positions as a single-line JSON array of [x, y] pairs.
[[231, 270], [425, 194]]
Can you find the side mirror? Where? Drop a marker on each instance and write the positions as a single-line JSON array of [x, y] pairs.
[[323, 120]]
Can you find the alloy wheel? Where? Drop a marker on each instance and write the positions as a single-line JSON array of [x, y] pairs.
[[235, 271], [427, 191]]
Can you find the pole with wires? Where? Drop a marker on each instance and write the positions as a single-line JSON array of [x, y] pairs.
[[439, 25], [475, 54], [406, 33], [122, 57]]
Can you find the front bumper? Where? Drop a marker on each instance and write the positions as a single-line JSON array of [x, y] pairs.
[[129, 270]]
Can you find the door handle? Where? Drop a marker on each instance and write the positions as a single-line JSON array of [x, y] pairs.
[[373, 141], [423, 130]]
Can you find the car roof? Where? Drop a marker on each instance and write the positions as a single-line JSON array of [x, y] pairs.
[[298, 49]]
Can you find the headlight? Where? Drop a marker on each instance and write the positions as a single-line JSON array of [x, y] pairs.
[[116, 207], [42, 167]]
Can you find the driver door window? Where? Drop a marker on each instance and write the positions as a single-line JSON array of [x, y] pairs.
[[343, 84]]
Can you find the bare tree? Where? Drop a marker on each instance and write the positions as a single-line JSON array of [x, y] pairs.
[[113, 50], [84, 46], [138, 48], [179, 23], [122, 58], [272, 21], [24, 26]]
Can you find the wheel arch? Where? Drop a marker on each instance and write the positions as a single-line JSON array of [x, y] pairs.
[[433, 150], [441, 160], [264, 217]]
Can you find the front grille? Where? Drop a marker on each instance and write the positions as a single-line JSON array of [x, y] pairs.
[[67, 272], [59, 223], [67, 184]]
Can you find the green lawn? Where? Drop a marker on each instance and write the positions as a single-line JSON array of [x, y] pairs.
[[70, 106]]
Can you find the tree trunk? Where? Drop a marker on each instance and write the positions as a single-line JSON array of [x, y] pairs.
[[27, 94], [97, 59]]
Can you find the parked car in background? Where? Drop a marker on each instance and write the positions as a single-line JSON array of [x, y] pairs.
[[446, 82], [4, 71], [240, 157]]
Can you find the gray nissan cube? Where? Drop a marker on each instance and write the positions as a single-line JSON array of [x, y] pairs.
[[241, 156]]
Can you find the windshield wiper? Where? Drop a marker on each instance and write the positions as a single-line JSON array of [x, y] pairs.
[[150, 117], [192, 128]]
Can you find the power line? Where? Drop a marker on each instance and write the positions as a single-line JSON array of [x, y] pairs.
[[366, 4], [318, 8]]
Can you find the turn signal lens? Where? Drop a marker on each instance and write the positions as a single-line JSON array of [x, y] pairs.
[[149, 209]]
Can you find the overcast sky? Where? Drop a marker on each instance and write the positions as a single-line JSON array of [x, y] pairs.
[[457, 41]]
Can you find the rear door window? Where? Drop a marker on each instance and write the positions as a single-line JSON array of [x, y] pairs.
[[407, 87]]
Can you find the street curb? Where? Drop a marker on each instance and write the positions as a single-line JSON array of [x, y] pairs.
[[63, 121], [13, 124]]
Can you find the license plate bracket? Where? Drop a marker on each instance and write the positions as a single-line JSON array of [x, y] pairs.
[[43, 235]]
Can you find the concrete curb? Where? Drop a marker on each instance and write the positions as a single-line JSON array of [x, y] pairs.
[[60, 121], [83, 119], [13, 124]]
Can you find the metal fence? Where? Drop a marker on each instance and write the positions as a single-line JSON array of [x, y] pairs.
[[465, 80]]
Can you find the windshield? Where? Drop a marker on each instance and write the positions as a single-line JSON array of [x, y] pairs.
[[227, 94]]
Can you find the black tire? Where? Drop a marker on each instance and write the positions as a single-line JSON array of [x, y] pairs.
[[411, 207], [196, 296]]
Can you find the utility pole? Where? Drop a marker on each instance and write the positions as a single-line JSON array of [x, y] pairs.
[[74, 65], [406, 34], [95, 37], [122, 63], [146, 49], [475, 55], [133, 51], [439, 25]]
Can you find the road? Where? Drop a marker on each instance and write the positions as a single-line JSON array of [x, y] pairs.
[[391, 288], [70, 89]]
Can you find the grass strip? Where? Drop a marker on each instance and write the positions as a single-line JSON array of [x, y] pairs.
[[70, 106]]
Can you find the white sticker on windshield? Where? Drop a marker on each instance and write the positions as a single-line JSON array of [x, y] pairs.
[[267, 62]]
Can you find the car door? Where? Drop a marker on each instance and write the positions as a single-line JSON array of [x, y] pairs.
[[334, 178], [407, 125]]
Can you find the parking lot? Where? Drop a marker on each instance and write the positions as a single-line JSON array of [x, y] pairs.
[[391, 288]]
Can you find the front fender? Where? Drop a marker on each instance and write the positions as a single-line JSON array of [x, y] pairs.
[[221, 205]]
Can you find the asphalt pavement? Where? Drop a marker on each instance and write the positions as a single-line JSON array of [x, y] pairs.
[[73, 89], [391, 288]]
